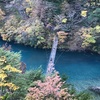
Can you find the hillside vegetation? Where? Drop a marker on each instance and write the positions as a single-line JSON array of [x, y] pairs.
[[33, 84], [35, 22]]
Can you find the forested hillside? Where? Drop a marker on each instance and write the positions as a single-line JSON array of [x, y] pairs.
[[34, 23], [74, 25]]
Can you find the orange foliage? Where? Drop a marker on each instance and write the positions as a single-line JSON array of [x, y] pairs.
[[50, 89]]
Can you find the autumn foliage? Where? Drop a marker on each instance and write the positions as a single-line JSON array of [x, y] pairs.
[[7, 73], [1, 14], [49, 89]]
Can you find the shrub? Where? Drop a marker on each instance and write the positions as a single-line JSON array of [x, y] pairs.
[[12, 58]]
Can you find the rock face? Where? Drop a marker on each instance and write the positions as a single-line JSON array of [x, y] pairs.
[[95, 89], [23, 67]]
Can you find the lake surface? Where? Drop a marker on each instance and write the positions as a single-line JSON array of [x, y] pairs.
[[82, 68]]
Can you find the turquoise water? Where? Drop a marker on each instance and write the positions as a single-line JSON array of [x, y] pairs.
[[82, 68]]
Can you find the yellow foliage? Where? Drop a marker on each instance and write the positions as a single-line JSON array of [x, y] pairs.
[[28, 1], [85, 44], [1, 14], [3, 76], [84, 13], [10, 85], [2, 60], [86, 35], [1, 71], [11, 69], [88, 39], [62, 33], [28, 10], [1, 97], [29, 29], [97, 29], [4, 37], [1, 84], [64, 20]]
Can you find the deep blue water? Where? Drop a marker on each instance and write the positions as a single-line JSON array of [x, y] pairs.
[[82, 68]]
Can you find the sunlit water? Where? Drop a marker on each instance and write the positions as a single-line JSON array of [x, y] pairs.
[[82, 68]]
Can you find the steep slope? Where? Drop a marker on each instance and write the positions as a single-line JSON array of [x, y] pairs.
[[34, 22]]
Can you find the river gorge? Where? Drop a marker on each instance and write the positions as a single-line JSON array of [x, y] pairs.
[[82, 68]]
